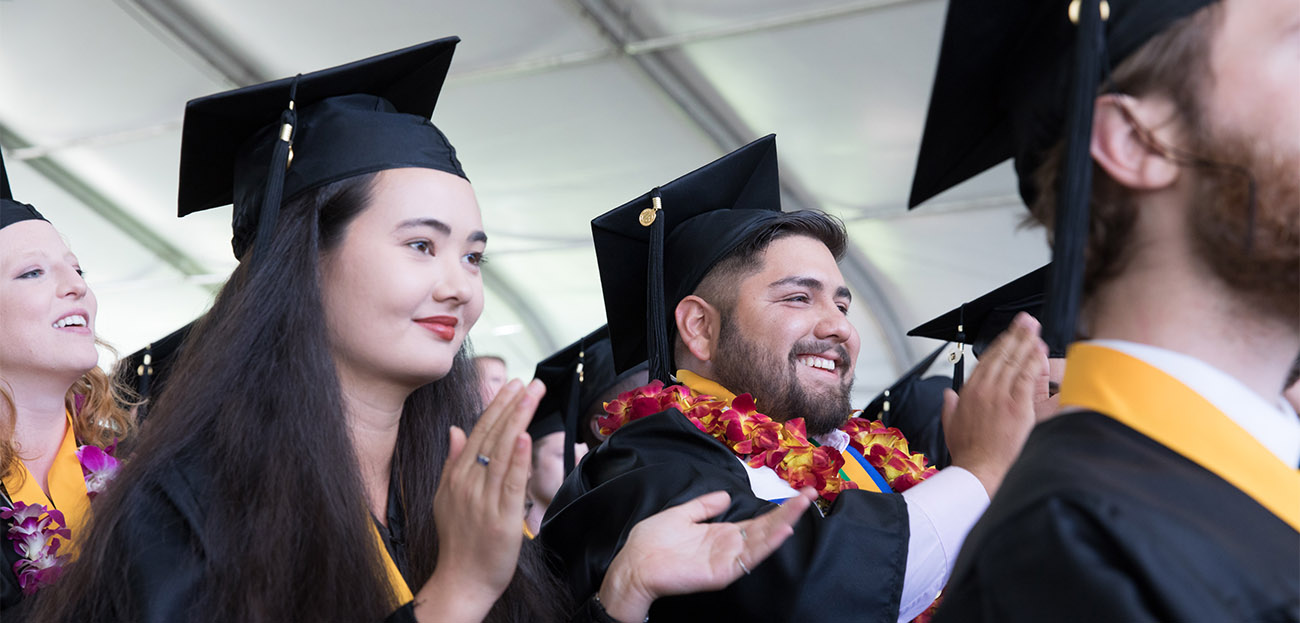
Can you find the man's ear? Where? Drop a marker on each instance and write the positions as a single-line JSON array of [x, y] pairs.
[[698, 325], [1128, 135]]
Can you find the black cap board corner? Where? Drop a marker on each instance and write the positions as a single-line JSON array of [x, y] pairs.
[[11, 210], [981, 320]]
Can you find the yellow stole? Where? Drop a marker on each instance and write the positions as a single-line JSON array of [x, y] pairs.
[[67, 485], [395, 579], [853, 470], [1158, 406]]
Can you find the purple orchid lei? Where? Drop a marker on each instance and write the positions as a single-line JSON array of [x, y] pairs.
[[34, 526]]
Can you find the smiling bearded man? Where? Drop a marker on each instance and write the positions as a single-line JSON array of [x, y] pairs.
[[707, 272], [776, 373]]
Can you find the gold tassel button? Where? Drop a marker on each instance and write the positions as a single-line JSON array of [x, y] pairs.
[[1073, 11], [649, 214]]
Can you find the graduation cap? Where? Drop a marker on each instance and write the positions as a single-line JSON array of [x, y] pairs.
[[1015, 77], [654, 250], [148, 369], [914, 405], [982, 320], [575, 377], [12, 211], [264, 144]]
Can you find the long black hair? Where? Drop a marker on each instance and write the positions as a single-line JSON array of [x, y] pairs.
[[255, 403]]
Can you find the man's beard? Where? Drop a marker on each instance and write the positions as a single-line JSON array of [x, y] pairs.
[[743, 367], [1256, 258]]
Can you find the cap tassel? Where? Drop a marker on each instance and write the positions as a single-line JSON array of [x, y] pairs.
[[144, 373], [1070, 237], [571, 416], [280, 159], [958, 358], [660, 351]]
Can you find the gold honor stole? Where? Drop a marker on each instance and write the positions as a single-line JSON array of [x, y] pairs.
[[856, 468], [67, 484], [1158, 406], [395, 579]]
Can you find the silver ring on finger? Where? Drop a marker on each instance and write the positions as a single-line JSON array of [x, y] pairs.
[[742, 565], [483, 460]]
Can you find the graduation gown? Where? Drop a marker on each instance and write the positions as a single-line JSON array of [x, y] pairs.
[[848, 564], [1099, 522], [165, 538], [168, 569]]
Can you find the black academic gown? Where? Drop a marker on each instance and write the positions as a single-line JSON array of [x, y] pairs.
[[167, 572], [1097, 522], [846, 566]]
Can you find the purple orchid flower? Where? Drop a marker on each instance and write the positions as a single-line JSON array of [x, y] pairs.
[[42, 570], [33, 532], [99, 467]]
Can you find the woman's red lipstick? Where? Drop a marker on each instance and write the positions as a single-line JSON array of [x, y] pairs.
[[441, 326]]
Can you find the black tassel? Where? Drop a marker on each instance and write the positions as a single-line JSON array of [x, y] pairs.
[[144, 373], [281, 157], [959, 358], [571, 414], [1065, 277], [660, 351]]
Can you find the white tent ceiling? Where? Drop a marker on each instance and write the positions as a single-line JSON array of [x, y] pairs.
[[561, 109]]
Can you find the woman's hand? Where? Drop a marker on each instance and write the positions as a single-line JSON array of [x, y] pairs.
[[479, 509], [672, 552]]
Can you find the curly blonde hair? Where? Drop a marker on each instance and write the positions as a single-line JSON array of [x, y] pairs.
[[100, 419]]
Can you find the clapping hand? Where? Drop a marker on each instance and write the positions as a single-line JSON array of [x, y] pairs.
[[988, 425], [674, 552], [479, 509]]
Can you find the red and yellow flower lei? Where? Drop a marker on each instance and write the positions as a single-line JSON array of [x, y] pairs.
[[784, 447]]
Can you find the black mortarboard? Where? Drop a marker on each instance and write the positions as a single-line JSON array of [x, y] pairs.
[[575, 377], [147, 370], [1013, 79], [914, 405], [265, 144], [654, 250], [982, 320], [12, 211]]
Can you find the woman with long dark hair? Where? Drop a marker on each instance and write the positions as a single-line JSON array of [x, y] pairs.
[[308, 459], [58, 410]]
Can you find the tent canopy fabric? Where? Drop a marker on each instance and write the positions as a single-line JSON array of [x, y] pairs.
[[562, 109]]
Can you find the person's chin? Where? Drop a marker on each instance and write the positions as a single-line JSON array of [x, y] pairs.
[[822, 384], [85, 362]]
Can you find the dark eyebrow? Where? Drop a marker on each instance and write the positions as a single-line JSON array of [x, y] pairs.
[[439, 226], [811, 284], [431, 223]]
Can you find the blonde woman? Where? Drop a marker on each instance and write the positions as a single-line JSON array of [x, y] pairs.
[[58, 414]]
